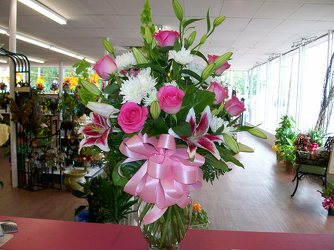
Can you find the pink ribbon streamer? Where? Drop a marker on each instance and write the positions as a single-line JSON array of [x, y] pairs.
[[165, 177]]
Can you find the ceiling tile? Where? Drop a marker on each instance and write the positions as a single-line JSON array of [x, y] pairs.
[[292, 26], [241, 8], [260, 24], [277, 10], [202, 7], [235, 24], [312, 12]]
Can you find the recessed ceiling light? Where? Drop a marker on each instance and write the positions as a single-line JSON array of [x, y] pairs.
[[35, 5]]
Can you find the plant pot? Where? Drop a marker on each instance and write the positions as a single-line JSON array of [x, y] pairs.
[[330, 212], [73, 178]]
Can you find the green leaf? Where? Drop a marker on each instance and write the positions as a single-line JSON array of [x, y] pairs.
[[81, 66], [199, 54], [183, 129], [117, 178], [245, 148], [139, 56], [91, 88], [214, 162], [231, 143], [208, 23], [191, 73], [108, 46], [227, 156], [111, 89], [86, 96], [258, 133], [153, 66], [178, 10], [190, 21], [197, 99]]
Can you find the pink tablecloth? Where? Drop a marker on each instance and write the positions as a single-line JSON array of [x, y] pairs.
[[38, 234]]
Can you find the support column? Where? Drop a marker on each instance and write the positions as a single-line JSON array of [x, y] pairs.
[[60, 83], [12, 48]]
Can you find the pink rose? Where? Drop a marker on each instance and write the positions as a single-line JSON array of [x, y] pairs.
[[105, 66], [234, 107], [170, 99], [166, 37], [221, 69], [132, 117], [220, 92]]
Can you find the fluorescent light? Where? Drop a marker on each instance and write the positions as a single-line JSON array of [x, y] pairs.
[[3, 31], [3, 61], [32, 41], [61, 51], [35, 60], [44, 11]]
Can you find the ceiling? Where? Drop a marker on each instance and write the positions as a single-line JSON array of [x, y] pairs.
[[253, 29]]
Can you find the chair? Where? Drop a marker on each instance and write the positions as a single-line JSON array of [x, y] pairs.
[[313, 163]]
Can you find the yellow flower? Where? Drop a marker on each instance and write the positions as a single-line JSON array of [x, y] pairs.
[[197, 207], [275, 148], [4, 133], [41, 80], [94, 78]]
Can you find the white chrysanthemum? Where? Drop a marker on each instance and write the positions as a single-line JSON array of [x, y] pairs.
[[125, 61], [173, 83], [216, 123], [151, 97], [182, 57], [136, 88]]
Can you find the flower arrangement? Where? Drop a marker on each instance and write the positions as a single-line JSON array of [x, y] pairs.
[[164, 126], [328, 195]]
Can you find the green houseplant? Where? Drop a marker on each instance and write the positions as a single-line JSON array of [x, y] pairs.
[[285, 135]]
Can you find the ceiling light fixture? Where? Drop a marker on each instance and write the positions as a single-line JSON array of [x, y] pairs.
[[34, 41], [35, 5], [3, 61], [35, 60]]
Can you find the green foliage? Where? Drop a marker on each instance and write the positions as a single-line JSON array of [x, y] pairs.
[[146, 19], [108, 203], [317, 136], [328, 191]]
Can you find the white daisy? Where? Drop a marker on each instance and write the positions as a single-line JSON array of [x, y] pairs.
[[216, 123], [182, 57], [125, 61], [173, 83]]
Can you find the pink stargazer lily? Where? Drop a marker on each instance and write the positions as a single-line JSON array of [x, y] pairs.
[[200, 137], [96, 132]]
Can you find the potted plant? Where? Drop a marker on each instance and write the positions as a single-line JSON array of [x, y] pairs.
[[285, 135], [328, 195]]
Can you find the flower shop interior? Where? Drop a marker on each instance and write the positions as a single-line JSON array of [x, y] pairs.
[[233, 97]]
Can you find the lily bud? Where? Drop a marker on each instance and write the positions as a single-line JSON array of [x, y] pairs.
[[191, 38], [203, 39], [178, 10], [208, 71], [155, 110], [218, 21]]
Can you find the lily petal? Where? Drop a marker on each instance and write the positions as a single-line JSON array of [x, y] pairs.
[[191, 118], [103, 109], [204, 124], [191, 150], [100, 142], [171, 132], [214, 138], [209, 146]]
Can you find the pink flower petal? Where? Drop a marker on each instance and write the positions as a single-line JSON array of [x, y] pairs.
[[204, 123], [214, 138], [191, 150], [191, 118], [208, 145]]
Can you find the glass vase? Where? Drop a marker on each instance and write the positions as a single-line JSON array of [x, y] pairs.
[[169, 230]]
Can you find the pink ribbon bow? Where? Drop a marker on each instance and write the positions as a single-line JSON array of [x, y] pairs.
[[165, 177]]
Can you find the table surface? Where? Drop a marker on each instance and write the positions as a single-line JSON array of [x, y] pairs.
[[41, 234]]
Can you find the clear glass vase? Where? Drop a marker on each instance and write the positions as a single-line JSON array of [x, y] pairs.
[[169, 230]]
